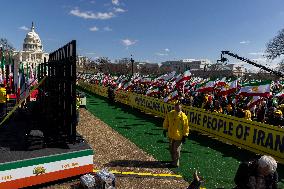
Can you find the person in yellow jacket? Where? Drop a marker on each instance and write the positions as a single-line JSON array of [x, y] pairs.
[[247, 113], [176, 124], [2, 100], [2, 94]]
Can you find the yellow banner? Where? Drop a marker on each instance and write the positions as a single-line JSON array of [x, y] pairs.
[[97, 89], [254, 136], [150, 104], [122, 96]]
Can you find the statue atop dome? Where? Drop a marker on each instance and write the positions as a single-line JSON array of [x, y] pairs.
[[32, 41], [32, 28]]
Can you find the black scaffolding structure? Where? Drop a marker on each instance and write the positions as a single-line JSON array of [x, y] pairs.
[[57, 94]]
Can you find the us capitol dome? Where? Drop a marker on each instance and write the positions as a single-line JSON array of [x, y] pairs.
[[32, 53]]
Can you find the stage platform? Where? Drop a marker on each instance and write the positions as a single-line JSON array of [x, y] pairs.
[[22, 166]]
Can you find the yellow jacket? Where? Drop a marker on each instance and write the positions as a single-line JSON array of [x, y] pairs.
[[2, 95], [176, 124]]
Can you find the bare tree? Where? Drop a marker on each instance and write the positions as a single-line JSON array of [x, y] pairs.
[[103, 64], [280, 66], [124, 66], [275, 48], [124, 61], [5, 44]]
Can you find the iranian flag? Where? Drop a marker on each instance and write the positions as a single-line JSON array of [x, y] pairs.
[[167, 77], [19, 86], [138, 79], [221, 82], [230, 87], [207, 86], [281, 94], [3, 62], [127, 85], [121, 83], [152, 91], [186, 89], [155, 82], [172, 96], [254, 101], [146, 80], [184, 77], [256, 89], [175, 78]]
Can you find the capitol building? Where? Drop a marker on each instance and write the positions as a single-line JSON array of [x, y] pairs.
[[32, 53]]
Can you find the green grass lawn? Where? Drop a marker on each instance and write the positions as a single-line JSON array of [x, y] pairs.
[[217, 162]]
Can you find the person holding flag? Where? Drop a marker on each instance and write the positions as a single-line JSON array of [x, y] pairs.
[[176, 124]]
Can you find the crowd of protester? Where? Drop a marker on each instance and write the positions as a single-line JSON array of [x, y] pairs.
[[268, 109]]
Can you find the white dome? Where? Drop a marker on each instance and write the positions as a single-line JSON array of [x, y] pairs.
[[32, 41]]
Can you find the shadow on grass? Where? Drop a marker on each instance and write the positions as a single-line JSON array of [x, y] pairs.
[[125, 127], [120, 118], [185, 152], [162, 141], [137, 163], [152, 134], [226, 149], [134, 124], [158, 129]]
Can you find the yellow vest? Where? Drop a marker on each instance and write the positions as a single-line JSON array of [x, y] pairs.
[[176, 124], [2, 95]]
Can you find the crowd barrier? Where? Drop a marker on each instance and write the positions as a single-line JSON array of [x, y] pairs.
[[97, 89], [251, 135]]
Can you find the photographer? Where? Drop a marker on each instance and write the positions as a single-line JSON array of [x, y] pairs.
[[257, 174]]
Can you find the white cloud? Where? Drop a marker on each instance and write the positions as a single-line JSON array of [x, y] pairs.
[[24, 28], [91, 15], [94, 29], [107, 28], [128, 42], [269, 63], [261, 61], [119, 10], [90, 53], [115, 2], [257, 53], [244, 42], [167, 50], [92, 2], [161, 54]]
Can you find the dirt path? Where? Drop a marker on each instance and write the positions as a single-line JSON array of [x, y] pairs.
[[115, 152]]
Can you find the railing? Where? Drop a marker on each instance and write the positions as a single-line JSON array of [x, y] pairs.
[[57, 97]]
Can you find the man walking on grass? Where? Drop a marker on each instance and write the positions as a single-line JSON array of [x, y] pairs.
[[176, 124]]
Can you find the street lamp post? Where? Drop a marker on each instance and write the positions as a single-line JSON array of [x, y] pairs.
[[132, 61]]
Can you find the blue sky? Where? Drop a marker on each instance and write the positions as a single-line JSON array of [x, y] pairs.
[[151, 30]]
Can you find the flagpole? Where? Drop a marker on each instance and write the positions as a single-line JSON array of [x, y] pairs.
[[183, 88]]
